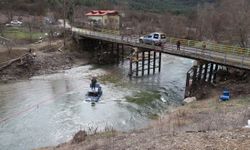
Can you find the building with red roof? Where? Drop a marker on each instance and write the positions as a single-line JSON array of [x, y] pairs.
[[104, 19]]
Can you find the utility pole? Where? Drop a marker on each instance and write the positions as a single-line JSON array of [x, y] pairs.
[[64, 23]]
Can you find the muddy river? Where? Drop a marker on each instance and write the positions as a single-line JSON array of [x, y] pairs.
[[48, 109]]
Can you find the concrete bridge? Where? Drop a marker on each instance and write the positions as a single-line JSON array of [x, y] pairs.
[[216, 53], [147, 59]]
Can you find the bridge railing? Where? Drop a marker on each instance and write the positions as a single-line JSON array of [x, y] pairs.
[[227, 49], [232, 54]]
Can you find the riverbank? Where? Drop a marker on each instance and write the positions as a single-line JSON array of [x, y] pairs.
[[206, 124], [203, 124], [19, 63]]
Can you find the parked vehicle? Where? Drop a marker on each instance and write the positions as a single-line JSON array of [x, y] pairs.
[[155, 38], [14, 23]]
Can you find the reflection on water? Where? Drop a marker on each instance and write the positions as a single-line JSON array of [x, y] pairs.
[[47, 110]]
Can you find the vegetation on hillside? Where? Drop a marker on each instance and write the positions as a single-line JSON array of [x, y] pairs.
[[176, 6]]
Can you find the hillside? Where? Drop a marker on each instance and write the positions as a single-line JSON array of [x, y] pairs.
[[176, 6]]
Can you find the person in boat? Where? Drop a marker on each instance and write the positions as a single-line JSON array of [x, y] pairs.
[[93, 82]]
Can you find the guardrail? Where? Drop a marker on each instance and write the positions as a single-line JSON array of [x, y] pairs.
[[228, 55], [236, 50]]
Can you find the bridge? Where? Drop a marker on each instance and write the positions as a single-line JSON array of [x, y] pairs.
[[232, 56], [210, 56]]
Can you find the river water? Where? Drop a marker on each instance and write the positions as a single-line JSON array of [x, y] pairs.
[[48, 109]]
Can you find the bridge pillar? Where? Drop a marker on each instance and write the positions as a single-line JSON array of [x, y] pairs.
[[149, 59], [215, 72], [142, 60], [159, 62], [194, 74], [200, 72], [210, 72], [154, 61], [205, 72], [112, 49], [122, 53], [143, 63], [130, 67], [187, 89], [137, 64], [118, 52]]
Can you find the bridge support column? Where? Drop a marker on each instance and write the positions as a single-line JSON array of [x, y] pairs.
[[194, 74], [154, 61], [122, 53], [149, 59], [118, 52], [143, 63], [205, 72], [200, 72], [159, 62], [210, 72], [187, 89], [112, 49], [142, 60], [137, 64], [215, 72]]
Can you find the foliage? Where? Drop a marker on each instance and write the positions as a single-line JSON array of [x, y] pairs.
[[176, 6], [20, 34], [144, 97]]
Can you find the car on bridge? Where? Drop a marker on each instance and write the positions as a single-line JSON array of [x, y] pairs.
[[155, 38]]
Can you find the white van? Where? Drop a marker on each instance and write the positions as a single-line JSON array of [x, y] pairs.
[[155, 38]]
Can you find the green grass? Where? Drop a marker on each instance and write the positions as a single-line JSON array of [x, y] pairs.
[[144, 97], [153, 116], [21, 33], [109, 78]]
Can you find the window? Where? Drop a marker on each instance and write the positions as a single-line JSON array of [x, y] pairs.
[[156, 36], [150, 36], [163, 36]]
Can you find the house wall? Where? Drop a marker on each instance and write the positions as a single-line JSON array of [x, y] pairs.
[[109, 21], [114, 21]]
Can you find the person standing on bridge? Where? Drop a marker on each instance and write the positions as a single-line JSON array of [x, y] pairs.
[[178, 45]]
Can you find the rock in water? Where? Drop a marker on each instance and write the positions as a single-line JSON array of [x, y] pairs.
[[189, 100]]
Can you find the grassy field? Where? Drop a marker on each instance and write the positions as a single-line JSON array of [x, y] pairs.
[[21, 33]]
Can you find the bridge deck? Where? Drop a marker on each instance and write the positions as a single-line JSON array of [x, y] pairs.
[[241, 61]]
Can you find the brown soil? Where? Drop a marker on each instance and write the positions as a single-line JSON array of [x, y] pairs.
[[202, 125], [48, 59]]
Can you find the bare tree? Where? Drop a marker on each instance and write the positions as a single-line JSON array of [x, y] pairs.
[[238, 15]]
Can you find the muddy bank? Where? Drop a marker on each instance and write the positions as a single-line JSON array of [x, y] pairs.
[[45, 60], [203, 125], [236, 81]]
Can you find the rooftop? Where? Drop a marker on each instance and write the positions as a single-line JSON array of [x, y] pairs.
[[101, 12]]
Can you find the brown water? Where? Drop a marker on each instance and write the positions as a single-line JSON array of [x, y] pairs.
[[47, 110]]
